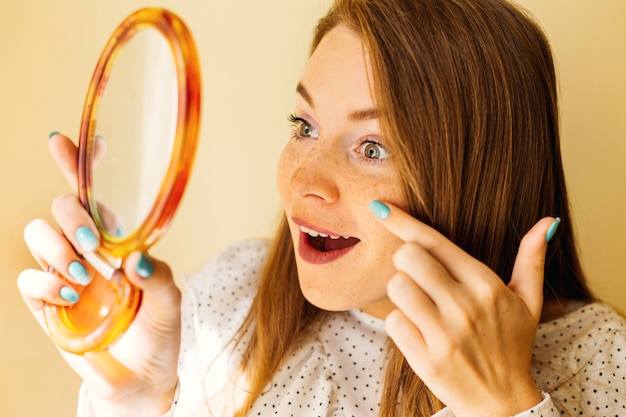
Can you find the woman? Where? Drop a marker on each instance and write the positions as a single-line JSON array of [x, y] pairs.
[[425, 145]]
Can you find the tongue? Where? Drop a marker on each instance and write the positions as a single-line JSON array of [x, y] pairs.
[[326, 244]]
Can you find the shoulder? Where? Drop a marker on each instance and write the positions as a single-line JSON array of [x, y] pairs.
[[217, 298], [578, 359], [240, 261], [590, 329], [586, 322]]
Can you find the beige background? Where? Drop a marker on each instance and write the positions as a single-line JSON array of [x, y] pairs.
[[252, 53]]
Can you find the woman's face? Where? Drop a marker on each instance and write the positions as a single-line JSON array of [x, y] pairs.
[[335, 164]]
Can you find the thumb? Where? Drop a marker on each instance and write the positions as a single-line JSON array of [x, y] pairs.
[[528, 270], [154, 278]]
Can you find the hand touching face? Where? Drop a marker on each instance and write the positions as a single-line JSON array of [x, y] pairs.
[[463, 331]]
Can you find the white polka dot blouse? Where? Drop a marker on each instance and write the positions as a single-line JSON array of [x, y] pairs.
[[579, 360]]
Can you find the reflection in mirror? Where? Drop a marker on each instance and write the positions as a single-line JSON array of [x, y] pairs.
[[136, 118]]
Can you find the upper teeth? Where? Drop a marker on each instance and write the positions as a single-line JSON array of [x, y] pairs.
[[314, 233]]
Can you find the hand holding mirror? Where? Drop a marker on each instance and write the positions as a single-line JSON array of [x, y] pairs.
[[143, 103]]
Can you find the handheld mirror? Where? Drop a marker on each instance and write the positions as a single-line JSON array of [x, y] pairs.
[[137, 143]]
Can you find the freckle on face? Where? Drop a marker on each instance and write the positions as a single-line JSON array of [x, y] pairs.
[[322, 183]]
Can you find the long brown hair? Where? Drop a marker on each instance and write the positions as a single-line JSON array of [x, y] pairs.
[[468, 96]]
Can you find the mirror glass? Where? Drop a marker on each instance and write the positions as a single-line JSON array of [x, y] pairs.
[[136, 121]]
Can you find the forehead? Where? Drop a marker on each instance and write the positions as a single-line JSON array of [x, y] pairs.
[[339, 72]]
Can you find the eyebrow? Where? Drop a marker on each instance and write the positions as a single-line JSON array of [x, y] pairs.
[[357, 115]]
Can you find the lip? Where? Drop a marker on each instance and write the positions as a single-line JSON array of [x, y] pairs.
[[313, 256], [301, 222]]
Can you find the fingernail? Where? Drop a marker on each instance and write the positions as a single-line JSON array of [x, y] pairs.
[[144, 267], [86, 239], [100, 137], [79, 273], [379, 209], [68, 294], [553, 228], [56, 132]]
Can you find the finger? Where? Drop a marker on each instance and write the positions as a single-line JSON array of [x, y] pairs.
[[100, 149], [415, 305], [65, 153], [110, 221], [405, 226], [39, 287], [50, 248], [76, 224], [461, 266], [154, 277], [407, 338], [426, 272], [528, 270]]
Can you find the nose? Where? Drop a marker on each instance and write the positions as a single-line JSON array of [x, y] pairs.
[[316, 172]]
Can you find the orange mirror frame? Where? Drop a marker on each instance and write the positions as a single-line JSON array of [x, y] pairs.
[[109, 304]]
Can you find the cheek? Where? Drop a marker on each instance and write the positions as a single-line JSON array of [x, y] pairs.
[[367, 188], [283, 173]]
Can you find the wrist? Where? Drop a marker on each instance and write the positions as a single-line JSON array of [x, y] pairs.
[[152, 401], [522, 403], [516, 401]]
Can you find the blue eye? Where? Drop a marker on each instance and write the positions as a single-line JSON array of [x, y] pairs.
[[302, 129], [373, 150]]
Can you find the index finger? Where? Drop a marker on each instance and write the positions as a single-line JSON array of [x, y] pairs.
[[407, 227], [410, 229], [65, 153]]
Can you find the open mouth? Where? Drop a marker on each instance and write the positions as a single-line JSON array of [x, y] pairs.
[[328, 243]]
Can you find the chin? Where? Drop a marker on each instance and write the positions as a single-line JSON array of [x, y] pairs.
[[326, 304], [332, 298]]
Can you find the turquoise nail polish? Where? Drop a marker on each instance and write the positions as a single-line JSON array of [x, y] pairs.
[[144, 267], [86, 239], [553, 228], [379, 209], [79, 273], [56, 132], [68, 294]]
